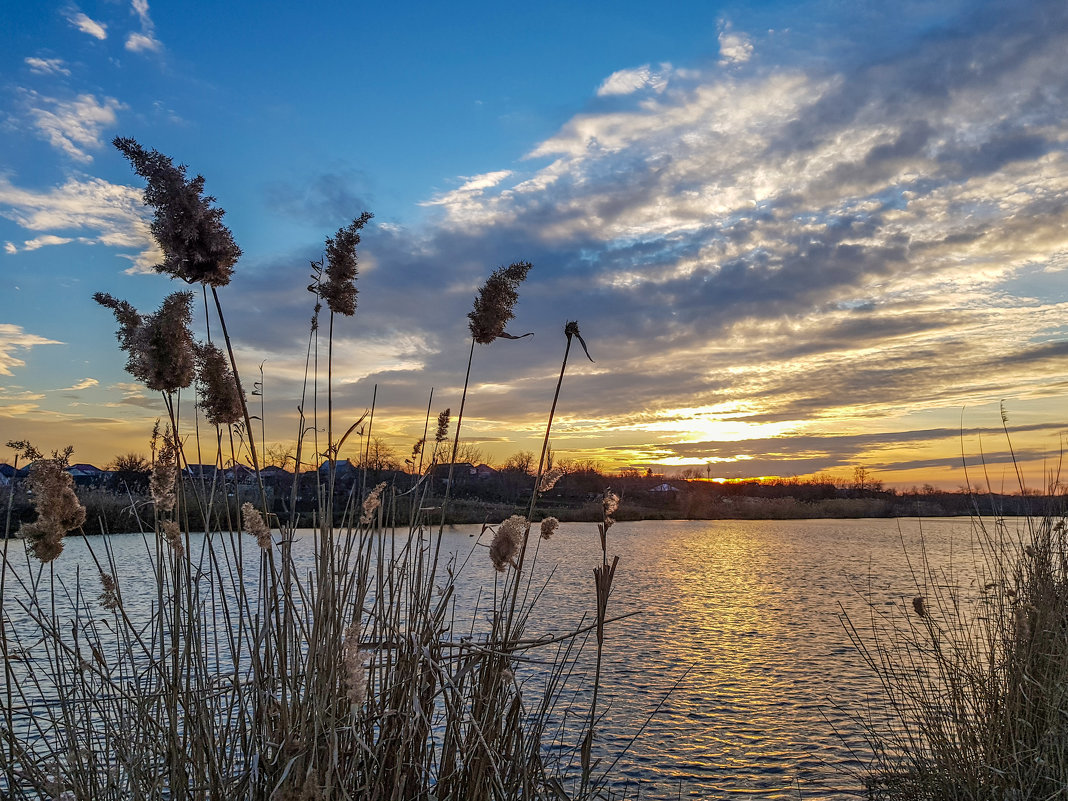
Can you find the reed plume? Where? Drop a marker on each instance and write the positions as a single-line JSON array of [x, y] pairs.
[[197, 247], [548, 527], [506, 541], [220, 399], [339, 289], [255, 525], [159, 346], [58, 508], [495, 302], [161, 482]]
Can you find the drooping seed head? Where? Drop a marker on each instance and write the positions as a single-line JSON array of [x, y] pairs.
[[506, 541], [197, 247], [172, 533], [57, 505], [109, 595], [548, 481], [219, 396], [164, 475], [255, 525], [159, 346], [548, 527], [495, 302], [371, 504]]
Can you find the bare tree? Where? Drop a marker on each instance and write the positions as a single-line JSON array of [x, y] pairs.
[[521, 462], [380, 456], [470, 453]]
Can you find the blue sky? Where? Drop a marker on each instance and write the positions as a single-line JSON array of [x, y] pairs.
[[799, 237]]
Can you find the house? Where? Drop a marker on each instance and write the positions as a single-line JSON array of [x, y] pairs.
[[664, 488], [87, 475], [483, 471]]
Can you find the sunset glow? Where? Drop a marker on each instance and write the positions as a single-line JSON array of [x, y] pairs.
[[798, 238]]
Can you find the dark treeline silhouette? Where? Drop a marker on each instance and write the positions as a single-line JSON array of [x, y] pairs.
[[117, 499]]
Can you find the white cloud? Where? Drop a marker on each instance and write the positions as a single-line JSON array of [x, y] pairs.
[[47, 66], [140, 43], [113, 213], [734, 48], [76, 125], [628, 81], [43, 241], [10, 249], [97, 30], [13, 338], [146, 40], [85, 383]]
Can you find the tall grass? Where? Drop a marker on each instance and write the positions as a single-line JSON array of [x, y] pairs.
[[974, 672], [249, 673]]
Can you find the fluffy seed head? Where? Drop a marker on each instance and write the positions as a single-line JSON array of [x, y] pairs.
[[159, 346], [611, 503], [495, 302], [172, 532], [443, 426], [164, 475], [58, 508], [548, 527], [371, 504], [354, 671], [255, 525], [219, 397], [109, 595], [197, 247], [506, 541], [339, 288], [548, 481]]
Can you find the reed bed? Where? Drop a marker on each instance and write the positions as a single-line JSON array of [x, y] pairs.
[[250, 673], [974, 671]]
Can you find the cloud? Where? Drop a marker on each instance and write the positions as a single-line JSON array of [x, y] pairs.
[[47, 66], [78, 386], [140, 43], [76, 125], [629, 81], [10, 249], [14, 338], [782, 247], [146, 40], [97, 30], [734, 48], [114, 214]]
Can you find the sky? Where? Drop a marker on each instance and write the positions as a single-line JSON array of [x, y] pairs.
[[798, 238]]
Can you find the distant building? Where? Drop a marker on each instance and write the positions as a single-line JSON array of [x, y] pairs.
[[664, 488], [87, 475], [483, 471]]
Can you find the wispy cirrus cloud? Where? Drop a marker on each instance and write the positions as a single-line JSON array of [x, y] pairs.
[[85, 24], [112, 214], [47, 66], [14, 339], [145, 40], [78, 386], [73, 126]]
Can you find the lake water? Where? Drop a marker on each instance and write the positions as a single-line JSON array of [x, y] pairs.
[[738, 638]]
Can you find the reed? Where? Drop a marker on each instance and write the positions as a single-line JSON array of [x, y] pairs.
[[250, 673], [974, 671]]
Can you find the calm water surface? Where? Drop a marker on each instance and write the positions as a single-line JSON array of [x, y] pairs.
[[738, 639]]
